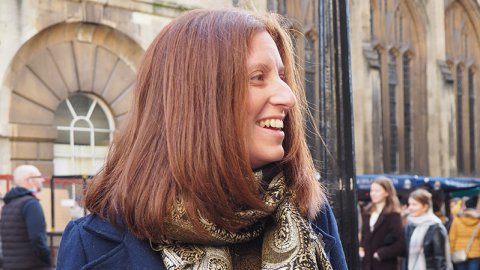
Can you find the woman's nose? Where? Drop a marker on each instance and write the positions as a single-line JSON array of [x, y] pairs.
[[284, 96]]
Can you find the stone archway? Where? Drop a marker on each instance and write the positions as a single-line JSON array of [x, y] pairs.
[[58, 62]]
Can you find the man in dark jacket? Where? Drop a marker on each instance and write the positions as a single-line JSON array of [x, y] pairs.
[[22, 226]]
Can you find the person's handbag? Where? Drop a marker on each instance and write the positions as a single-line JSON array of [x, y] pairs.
[[460, 255]]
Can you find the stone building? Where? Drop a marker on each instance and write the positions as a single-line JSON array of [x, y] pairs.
[[415, 86]]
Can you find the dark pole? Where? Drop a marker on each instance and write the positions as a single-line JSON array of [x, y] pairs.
[[336, 122], [52, 209], [346, 149], [52, 200]]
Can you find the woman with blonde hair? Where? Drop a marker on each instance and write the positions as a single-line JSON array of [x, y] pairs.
[[212, 170], [382, 231], [426, 237]]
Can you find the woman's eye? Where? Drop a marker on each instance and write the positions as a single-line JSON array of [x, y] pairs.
[[258, 77]]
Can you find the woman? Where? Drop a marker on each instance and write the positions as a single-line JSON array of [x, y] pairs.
[[382, 232], [426, 237], [212, 170], [464, 235]]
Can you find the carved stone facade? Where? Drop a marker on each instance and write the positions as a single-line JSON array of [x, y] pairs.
[[410, 105]]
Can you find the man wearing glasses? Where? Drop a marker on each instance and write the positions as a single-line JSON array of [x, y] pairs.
[[22, 226]]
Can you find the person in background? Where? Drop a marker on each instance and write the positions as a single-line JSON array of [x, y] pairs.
[[382, 231], [455, 205], [212, 170], [22, 226], [426, 238], [404, 210], [462, 234]]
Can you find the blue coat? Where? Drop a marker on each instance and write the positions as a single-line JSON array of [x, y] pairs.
[[93, 243]]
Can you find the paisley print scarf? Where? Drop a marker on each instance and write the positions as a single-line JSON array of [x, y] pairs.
[[280, 239]]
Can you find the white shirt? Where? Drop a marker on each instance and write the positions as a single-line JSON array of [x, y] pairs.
[[374, 216]]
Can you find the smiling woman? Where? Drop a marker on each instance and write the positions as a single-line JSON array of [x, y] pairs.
[[270, 99], [212, 170]]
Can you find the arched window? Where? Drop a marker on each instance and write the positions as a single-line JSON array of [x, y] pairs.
[[85, 128], [392, 110], [395, 38], [460, 160], [471, 117], [407, 113], [463, 52]]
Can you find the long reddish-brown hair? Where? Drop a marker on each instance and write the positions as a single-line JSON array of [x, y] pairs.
[[185, 137]]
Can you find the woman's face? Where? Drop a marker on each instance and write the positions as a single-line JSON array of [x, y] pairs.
[[377, 193], [416, 208], [269, 99]]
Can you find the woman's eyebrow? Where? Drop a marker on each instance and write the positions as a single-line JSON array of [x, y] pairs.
[[264, 67], [259, 66]]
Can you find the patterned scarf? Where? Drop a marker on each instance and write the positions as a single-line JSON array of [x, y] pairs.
[[280, 239]]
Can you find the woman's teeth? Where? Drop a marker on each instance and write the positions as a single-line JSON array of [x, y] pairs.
[[271, 123]]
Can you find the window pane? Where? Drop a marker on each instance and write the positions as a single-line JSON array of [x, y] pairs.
[[63, 136], [63, 117], [99, 119], [82, 124], [102, 138], [459, 121], [392, 92], [81, 104], [407, 113], [82, 137], [471, 119]]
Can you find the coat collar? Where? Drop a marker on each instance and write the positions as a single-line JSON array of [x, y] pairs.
[[380, 221], [104, 229], [129, 252]]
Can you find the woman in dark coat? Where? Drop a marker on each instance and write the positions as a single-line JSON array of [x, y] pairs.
[[382, 232]]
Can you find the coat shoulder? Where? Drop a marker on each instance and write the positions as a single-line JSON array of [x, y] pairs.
[[87, 240], [326, 225], [92, 242]]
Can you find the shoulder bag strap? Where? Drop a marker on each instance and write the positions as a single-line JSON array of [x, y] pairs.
[[471, 238]]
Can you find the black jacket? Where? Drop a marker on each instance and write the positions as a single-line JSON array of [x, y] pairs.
[[433, 247], [23, 232]]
